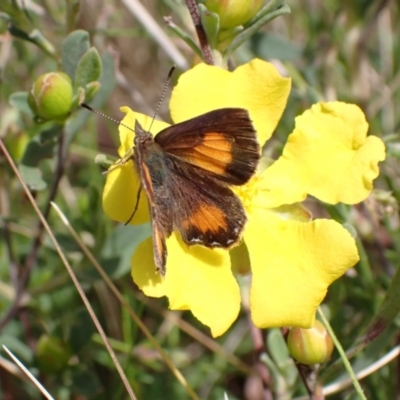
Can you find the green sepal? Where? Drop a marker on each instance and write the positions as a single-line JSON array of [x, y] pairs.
[[91, 89], [272, 6], [210, 22], [79, 97], [267, 13]]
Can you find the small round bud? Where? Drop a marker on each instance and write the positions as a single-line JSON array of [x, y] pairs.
[[233, 13], [51, 96], [52, 354], [310, 346]]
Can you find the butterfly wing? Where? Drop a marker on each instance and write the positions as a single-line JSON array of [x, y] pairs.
[[222, 142], [205, 211]]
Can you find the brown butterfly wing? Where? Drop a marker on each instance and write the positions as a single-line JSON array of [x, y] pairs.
[[205, 211], [222, 142]]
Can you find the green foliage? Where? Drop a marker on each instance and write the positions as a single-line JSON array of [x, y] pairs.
[[330, 49], [74, 47]]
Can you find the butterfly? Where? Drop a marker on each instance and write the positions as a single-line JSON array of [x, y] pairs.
[[186, 170]]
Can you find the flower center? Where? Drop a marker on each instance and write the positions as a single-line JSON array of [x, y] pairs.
[[248, 192]]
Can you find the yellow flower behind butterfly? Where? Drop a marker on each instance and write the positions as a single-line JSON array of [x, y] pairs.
[[293, 259]]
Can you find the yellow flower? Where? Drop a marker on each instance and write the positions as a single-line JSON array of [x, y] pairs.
[[293, 259]]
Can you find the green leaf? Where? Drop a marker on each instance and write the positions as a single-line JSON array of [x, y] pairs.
[[33, 177], [277, 347], [36, 151], [280, 354], [40, 40], [183, 35], [75, 45], [88, 69], [210, 22], [39, 148], [19, 100], [35, 37], [107, 84]]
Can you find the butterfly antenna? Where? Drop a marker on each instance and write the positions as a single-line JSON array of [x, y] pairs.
[[171, 71], [84, 105], [128, 155]]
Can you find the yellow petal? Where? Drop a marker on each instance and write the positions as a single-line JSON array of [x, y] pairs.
[[197, 279], [144, 270], [256, 86], [255, 195], [328, 156], [122, 182], [293, 263], [120, 196]]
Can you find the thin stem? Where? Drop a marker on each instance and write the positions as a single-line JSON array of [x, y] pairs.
[[343, 356], [40, 387], [201, 33]]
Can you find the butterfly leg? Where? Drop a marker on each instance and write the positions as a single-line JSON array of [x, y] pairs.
[[136, 205]]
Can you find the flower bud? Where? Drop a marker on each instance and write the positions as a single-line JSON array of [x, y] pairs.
[[310, 346], [16, 142], [51, 96], [233, 13], [52, 354]]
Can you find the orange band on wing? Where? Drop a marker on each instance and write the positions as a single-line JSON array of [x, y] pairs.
[[213, 154], [206, 219]]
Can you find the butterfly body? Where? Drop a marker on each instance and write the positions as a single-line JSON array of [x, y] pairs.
[[185, 171]]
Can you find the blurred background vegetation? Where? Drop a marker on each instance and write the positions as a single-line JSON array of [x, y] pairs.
[[349, 51]]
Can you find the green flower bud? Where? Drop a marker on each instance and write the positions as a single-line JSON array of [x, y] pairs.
[[16, 142], [310, 346], [51, 96], [52, 354], [233, 13]]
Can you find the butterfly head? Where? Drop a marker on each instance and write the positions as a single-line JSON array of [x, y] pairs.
[[141, 136]]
